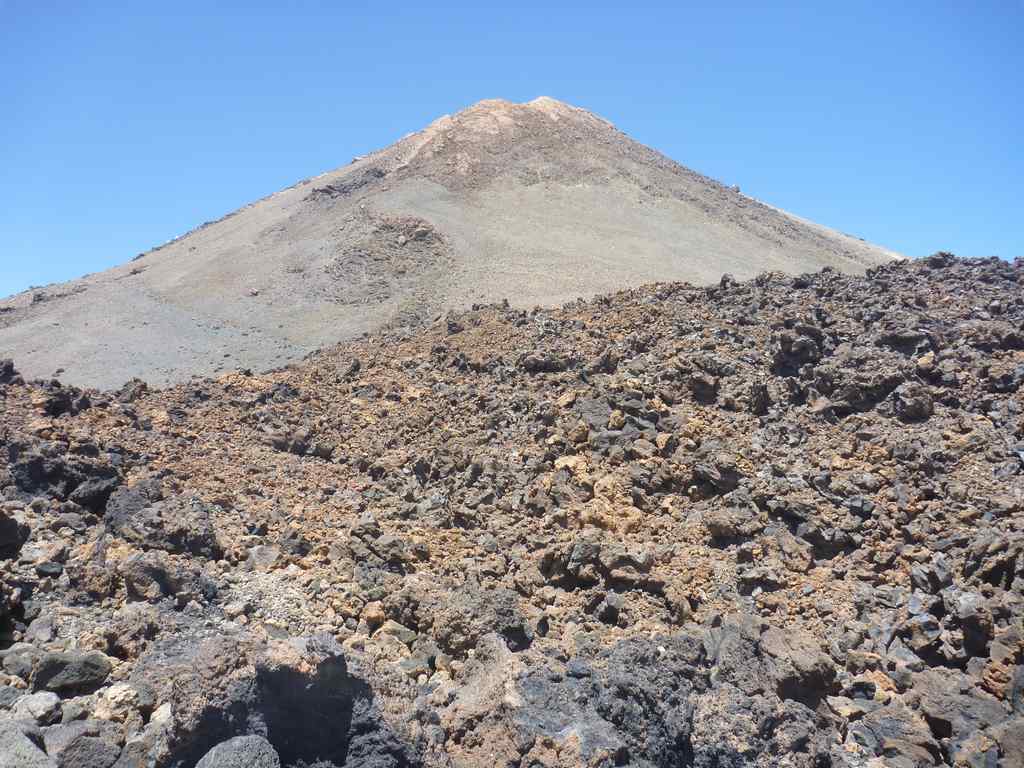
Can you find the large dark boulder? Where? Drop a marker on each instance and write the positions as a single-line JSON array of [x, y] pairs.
[[71, 672], [153, 575], [241, 752], [8, 374], [40, 468], [180, 524], [88, 752], [13, 534], [303, 697], [474, 611]]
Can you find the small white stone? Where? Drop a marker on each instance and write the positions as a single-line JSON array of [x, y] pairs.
[[117, 703]]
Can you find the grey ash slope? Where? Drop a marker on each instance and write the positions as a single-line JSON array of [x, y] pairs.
[[538, 203]]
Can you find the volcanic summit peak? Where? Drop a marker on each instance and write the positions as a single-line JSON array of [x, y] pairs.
[[546, 104], [495, 116]]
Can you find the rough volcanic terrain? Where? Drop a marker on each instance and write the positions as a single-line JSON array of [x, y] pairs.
[[543, 197], [777, 522]]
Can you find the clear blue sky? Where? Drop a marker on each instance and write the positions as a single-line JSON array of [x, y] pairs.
[[121, 127]]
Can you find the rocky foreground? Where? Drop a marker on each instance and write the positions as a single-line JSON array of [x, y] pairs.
[[771, 523]]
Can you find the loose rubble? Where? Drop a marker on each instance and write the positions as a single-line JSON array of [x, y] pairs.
[[775, 522]]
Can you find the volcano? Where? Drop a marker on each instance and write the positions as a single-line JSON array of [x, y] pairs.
[[537, 203]]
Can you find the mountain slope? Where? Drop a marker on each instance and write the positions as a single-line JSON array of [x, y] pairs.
[[538, 203]]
